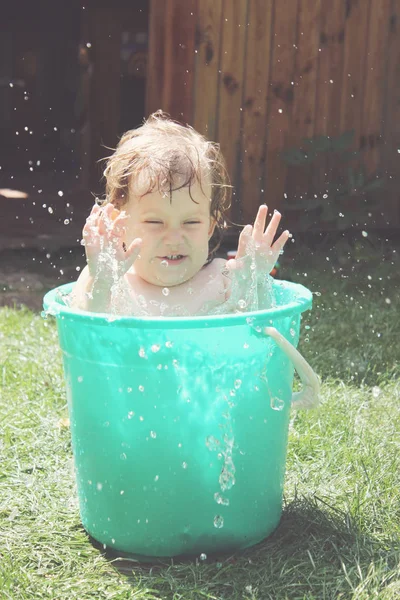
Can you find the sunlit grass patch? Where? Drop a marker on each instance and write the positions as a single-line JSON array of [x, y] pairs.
[[340, 530]]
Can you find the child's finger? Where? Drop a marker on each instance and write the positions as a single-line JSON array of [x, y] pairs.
[[244, 239], [133, 250], [281, 241], [259, 223], [272, 228]]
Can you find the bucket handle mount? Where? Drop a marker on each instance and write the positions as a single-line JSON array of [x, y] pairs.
[[308, 397]]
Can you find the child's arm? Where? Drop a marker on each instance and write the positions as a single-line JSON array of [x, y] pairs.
[[257, 249], [107, 259]]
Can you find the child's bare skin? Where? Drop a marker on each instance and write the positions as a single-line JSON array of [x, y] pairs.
[[148, 248], [151, 230]]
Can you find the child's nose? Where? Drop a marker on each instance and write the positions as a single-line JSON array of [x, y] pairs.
[[173, 235]]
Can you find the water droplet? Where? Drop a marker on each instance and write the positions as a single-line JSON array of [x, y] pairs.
[[238, 383], [184, 465], [122, 456], [122, 492], [164, 263], [141, 388], [221, 500], [142, 353], [218, 522], [66, 221], [212, 443], [165, 291], [50, 210], [168, 344], [376, 391], [203, 556], [60, 193], [242, 303], [130, 414], [364, 233], [80, 379], [155, 347], [99, 486], [156, 478], [292, 332], [153, 434], [277, 403], [245, 345]]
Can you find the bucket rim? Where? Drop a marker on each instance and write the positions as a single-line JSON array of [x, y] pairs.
[[53, 307]]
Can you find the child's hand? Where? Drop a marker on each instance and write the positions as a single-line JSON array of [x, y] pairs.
[[103, 240], [259, 244]]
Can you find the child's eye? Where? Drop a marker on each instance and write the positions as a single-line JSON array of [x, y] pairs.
[[154, 222], [192, 222]]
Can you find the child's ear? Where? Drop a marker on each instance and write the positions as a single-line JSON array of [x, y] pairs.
[[211, 229]]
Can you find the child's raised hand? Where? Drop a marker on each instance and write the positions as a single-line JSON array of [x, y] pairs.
[[104, 246], [257, 242]]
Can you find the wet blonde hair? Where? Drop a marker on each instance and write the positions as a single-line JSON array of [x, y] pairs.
[[166, 156]]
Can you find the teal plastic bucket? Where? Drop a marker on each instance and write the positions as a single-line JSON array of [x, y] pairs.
[[179, 425]]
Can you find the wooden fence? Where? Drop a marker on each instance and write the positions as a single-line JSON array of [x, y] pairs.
[[259, 76]]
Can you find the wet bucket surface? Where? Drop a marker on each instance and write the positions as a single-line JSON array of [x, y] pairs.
[[179, 426]]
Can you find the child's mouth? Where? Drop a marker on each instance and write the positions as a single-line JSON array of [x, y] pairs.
[[173, 259]]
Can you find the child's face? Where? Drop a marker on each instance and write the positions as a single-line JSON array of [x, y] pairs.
[[174, 230]]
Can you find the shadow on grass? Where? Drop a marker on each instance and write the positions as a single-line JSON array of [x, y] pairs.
[[316, 552]]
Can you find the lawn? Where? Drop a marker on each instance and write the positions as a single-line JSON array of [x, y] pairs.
[[339, 536]]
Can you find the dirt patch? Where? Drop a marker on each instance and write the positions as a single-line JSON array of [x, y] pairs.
[[26, 275]]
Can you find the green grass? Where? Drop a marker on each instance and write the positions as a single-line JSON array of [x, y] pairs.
[[340, 530]]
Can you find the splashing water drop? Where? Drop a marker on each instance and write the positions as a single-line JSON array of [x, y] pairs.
[[141, 388], [153, 434], [165, 291], [238, 383], [164, 263], [184, 465], [376, 391], [218, 522], [277, 403], [66, 221], [203, 556], [155, 347], [212, 443], [220, 499]]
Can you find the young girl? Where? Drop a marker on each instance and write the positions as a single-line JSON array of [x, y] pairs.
[[150, 246]]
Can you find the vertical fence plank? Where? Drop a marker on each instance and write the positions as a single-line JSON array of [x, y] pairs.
[[305, 80], [391, 147], [256, 78], [280, 97], [330, 68], [234, 22], [156, 56], [172, 58], [372, 109], [329, 89], [180, 59], [355, 52], [208, 44]]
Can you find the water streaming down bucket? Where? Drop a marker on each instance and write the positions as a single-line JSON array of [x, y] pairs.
[[179, 425]]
